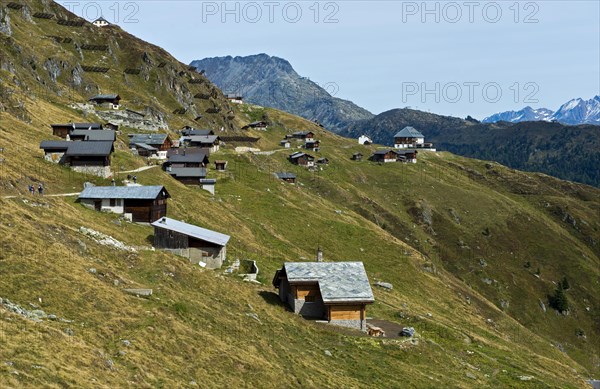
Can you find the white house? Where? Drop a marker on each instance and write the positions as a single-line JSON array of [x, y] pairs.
[[408, 137], [364, 140], [100, 22]]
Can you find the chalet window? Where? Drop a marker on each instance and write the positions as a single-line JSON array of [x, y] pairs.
[[113, 202], [310, 299], [118, 202]]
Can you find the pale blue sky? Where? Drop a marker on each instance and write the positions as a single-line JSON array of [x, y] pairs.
[[383, 55]]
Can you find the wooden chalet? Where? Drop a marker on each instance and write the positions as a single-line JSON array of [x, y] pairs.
[[312, 144], [187, 175], [210, 142], [408, 137], [143, 204], [302, 135], [62, 130], [236, 99], [285, 143], [199, 245], [190, 131], [302, 159], [407, 155], [100, 22], [384, 156], [334, 291], [109, 100], [161, 142], [220, 165], [287, 177], [258, 125], [186, 159], [357, 157]]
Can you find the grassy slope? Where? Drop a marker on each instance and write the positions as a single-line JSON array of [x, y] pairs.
[[195, 327]]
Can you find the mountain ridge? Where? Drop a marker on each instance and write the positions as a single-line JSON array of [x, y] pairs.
[[272, 82]]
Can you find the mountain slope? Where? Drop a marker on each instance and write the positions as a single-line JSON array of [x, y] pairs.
[[272, 82], [568, 152], [451, 234], [575, 111]]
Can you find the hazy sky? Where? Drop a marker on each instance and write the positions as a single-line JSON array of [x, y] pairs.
[[456, 58]]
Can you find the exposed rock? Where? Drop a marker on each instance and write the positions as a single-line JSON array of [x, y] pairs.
[[526, 378], [542, 305], [471, 375], [482, 262], [105, 240], [504, 304], [126, 342], [328, 353], [69, 332], [254, 316], [5, 23], [53, 68], [454, 215], [385, 285], [77, 75]]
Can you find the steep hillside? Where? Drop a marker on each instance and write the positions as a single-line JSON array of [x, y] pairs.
[[567, 152], [272, 82], [472, 248]]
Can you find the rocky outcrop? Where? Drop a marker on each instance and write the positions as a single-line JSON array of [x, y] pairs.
[[5, 23]]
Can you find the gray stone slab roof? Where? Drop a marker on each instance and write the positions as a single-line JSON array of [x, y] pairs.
[[99, 148], [107, 135], [195, 132], [192, 230], [338, 281], [144, 146], [198, 157], [80, 126], [204, 139], [408, 132], [383, 152], [123, 192], [105, 97], [149, 139], [285, 175], [55, 145], [187, 172]]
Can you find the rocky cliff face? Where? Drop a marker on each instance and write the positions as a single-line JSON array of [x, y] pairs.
[[272, 82]]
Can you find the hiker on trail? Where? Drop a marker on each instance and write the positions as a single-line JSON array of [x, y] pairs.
[[135, 179], [40, 190], [113, 182], [31, 189], [129, 177]]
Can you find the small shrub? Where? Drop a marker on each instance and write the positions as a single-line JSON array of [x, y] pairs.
[[559, 300]]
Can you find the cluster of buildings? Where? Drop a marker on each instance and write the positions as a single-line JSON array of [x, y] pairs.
[[148, 204], [86, 147], [407, 143]]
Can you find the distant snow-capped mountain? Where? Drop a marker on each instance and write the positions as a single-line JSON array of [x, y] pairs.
[[576, 111], [579, 111], [527, 114]]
